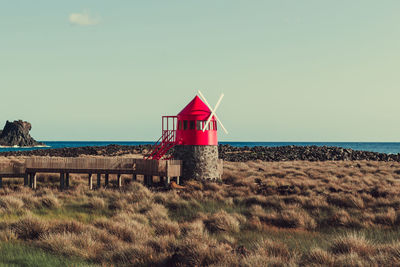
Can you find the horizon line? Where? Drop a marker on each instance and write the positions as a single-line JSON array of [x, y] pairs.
[[144, 141]]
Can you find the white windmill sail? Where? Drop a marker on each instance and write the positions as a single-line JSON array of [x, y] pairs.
[[213, 112]]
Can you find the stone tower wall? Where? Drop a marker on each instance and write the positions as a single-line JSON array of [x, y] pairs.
[[199, 162]]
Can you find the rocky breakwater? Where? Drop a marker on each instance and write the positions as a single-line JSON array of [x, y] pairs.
[[226, 152], [110, 150], [16, 133], [309, 153]]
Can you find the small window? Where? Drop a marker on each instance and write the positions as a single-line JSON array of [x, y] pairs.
[[191, 125], [199, 125], [179, 125], [208, 126], [215, 125], [185, 126], [211, 125]]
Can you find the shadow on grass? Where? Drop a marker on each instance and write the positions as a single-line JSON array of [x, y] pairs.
[[189, 210], [303, 240], [75, 210], [16, 254]]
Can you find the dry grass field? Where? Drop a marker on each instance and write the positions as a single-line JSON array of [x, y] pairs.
[[297, 213]]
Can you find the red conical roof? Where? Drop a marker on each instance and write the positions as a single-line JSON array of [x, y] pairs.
[[195, 107]]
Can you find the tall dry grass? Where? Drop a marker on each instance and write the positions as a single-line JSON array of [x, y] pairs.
[[260, 214]]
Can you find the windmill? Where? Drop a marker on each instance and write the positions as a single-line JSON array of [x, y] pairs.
[[193, 131], [193, 136]]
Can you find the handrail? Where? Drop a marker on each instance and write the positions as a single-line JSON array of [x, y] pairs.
[[156, 144], [166, 141]]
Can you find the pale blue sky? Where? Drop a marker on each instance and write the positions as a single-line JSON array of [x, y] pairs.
[[290, 70]]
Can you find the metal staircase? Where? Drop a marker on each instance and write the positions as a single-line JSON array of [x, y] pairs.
[[166, 141]]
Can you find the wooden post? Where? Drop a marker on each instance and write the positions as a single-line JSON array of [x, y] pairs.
[[67, 180], [168, 180], [134, 177], [62, 181], [34, 181], [166, 171], [90, 181], [98, 180], [26, 179], [148, 180], [1, 181], [30, 179], [106, 180], [119, 180], [177, 180]]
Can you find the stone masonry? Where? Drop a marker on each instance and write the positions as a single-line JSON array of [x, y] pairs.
[[199, 162]]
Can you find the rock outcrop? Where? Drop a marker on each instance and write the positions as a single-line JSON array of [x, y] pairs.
[[16, 133]]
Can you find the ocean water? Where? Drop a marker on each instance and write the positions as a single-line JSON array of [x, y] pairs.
[[389, 148]]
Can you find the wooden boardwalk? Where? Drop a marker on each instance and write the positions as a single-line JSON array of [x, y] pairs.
[[28, 170]]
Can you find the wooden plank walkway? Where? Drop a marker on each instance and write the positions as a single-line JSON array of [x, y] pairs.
[[165, 169]]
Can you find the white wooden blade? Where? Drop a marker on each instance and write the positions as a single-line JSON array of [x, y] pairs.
[[215, 115], [213, 112], [204, 99]]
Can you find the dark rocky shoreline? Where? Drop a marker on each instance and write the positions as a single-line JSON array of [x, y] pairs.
[[309, 153], [110, 150], [226, 152]]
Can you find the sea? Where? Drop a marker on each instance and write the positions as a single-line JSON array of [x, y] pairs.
[[381, 147]]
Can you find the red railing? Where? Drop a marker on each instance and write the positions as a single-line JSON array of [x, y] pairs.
[[167, 139]]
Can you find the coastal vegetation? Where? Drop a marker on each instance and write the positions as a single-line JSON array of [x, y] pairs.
[[332, 213]]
